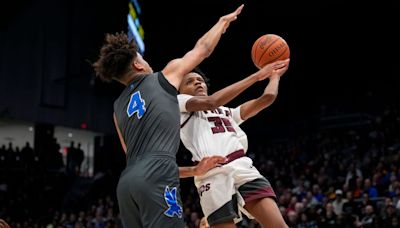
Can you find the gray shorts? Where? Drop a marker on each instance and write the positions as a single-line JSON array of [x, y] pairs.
[[148, 193]]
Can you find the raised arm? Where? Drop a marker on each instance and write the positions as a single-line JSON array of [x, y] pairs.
[[176, 69], [252, 107], [223, 96]]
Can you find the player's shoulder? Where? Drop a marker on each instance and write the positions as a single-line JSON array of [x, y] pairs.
[[165, 84], [225, 108], [144, 80], [184, 96]]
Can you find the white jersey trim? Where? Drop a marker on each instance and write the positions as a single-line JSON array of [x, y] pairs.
[[182, 100], [236, 115]]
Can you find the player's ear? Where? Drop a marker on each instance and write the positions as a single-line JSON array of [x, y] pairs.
[[138, 66]]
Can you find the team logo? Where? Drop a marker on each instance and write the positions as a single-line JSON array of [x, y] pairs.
[[173, 207]]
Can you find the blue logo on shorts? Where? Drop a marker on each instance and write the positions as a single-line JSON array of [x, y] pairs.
[[173, 207]]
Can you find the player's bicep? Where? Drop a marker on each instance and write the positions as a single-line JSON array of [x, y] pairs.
[[188, 103], [177, 68], [200, 103]]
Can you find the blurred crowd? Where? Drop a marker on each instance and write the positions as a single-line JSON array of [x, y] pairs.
[[341, 175], [338, 176]]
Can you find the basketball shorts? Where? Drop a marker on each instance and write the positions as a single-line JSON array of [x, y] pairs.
[[148, 193], [224, 190]]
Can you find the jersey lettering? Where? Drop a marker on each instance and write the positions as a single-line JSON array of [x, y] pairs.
[[228, 124], [136, 105], [220, 125], [204, 188]]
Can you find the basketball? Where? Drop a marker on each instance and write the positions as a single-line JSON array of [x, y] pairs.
[[269, 48]]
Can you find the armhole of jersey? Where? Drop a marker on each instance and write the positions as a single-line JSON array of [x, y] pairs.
[[120, 128], [184, 123], [166, 85], [239, 120], [115, 114]]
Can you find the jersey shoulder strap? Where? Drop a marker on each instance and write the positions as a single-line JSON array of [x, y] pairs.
[[184, 123]]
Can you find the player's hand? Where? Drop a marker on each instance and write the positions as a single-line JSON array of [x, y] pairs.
[[269, 69], [3, 224], [227, 19], [280, 71], [208, 163]]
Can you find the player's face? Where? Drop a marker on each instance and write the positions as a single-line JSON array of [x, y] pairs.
[[193, 84]]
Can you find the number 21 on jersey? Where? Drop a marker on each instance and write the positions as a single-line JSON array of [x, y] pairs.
[[136, 105]]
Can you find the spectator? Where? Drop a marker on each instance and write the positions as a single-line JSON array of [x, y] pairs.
[[369, 219], [349, 214], [371, 190], [317, 193], [338, 203], [27, 154], [3, 156], [390, 216], [79, 158], [292, 218], [328, 218], [75, 157], [352, 176]]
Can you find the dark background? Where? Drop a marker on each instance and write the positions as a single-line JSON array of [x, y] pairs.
[[343, 55]]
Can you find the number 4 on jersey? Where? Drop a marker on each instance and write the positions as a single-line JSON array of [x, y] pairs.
[[136, 105]]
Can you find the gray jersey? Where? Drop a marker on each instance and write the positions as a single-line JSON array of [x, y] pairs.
[[148, 116]]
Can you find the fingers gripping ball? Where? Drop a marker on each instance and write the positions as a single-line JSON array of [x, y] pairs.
[[269, 48]]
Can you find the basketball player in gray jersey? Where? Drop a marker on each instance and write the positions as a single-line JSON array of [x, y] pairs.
[[147, 120]]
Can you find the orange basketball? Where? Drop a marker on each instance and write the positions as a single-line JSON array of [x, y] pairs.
[[269, 48]]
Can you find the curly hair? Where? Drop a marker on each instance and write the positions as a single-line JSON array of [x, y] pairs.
[[115, 57]]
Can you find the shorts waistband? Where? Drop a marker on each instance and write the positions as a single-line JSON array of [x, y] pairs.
[[231, 157], [153, 154]]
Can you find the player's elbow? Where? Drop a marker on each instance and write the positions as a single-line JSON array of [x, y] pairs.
[[204, 50], [268, 99]]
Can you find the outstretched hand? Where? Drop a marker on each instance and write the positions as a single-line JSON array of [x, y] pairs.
[[231, 17], [277, 67], [208, 163]]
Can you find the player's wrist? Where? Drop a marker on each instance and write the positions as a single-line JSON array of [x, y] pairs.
[[195, 170], [274, 77], [258, 76]]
